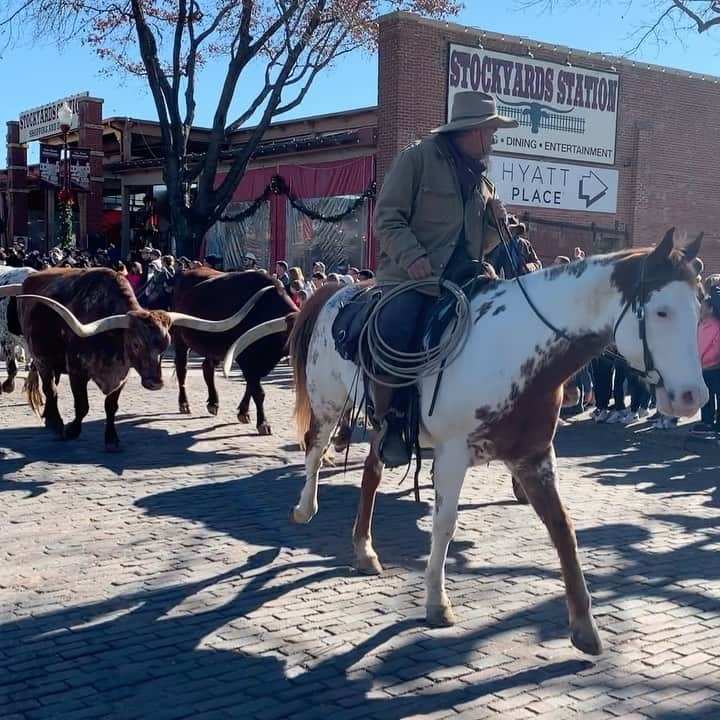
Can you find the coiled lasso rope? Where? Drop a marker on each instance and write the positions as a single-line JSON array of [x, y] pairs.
[[391, 367]]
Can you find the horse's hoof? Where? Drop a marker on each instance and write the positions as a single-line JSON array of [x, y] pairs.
[[439, 616], [8, 386], [212, 409], [244, 418], [298, 517], [72, 432], [184, 409], [519, 493], [368, 565], [264, 429], [585, 637]]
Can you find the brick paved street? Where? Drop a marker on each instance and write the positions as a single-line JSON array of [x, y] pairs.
[[166, 581]]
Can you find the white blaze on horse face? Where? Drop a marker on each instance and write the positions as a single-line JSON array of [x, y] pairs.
[[671, 318]]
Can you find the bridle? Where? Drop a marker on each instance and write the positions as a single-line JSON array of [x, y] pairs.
[[636, 302]]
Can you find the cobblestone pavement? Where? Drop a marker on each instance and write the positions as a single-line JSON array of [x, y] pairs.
[[166, 581]]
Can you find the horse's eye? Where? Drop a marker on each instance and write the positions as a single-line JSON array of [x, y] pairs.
[[662, 313]]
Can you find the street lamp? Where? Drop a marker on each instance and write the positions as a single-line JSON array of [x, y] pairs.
[[65, 224]]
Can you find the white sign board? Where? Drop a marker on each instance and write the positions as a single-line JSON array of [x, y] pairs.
[[533, 183], [42, 122], [564, 112]]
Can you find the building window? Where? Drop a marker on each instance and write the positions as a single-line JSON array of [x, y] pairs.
[[339, 245], [232, 240]]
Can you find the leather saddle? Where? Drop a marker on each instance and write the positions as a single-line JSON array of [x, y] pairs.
[[351, 319]]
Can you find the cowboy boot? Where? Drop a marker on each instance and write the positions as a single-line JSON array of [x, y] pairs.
[[390, 415]]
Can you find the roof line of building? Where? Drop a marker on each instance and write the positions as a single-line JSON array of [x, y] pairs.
[[532, 44], [248, 128]]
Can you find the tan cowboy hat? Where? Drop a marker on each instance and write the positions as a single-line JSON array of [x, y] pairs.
[[474, 109]]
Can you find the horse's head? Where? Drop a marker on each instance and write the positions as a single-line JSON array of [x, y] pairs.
[[656, 327]]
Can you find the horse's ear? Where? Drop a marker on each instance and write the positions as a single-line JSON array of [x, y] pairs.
[[691, 250], [664, 248]]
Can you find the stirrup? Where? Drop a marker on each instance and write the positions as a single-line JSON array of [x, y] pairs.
[[393, 448]]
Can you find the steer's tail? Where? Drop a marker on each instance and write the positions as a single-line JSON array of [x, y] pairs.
[[32, 391], [299, 344]]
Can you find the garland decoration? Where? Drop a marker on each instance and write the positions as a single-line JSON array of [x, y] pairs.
[[278, 186]]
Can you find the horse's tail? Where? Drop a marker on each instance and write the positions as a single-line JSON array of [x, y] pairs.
[[32, 391], [299, 343]]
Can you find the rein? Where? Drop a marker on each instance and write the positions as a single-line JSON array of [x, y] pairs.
[[636, 302]]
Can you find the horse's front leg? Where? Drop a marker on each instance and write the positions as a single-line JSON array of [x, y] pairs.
[[538, 477], [451, 463]]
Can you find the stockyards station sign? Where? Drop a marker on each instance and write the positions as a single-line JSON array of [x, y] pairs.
[[564, 112], [42, 122]]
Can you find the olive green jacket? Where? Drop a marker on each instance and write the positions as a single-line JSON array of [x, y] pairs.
[[419, 211]]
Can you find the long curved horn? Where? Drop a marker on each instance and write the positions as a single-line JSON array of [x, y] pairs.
[[84, 330], [10, 290], [218, 326], [271, 327]]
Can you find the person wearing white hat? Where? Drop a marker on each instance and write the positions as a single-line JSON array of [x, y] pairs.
[[435, 216]]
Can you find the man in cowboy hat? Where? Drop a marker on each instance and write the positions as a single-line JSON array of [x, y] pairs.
[[435, 216]]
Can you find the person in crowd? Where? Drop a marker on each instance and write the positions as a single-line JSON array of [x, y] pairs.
[[347, 280], [354, 273], [709, 348], [518, 257], [639, 399], [134, 276], [366, 274], [561, 260], [281, 272], [302, 297], [413, 245], [317, 280], [333, 279], [295, 289], [618, 390], [295, 274], [120, 268], [319, 267], [249, 261]]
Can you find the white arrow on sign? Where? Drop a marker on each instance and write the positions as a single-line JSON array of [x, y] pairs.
[[591, 189]]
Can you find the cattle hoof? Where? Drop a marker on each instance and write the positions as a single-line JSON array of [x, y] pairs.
[[585, 637], [439, 616], [212, 409], [113, 447], [184, 409], [519, 493], [368, 565], [8, 386], [244, 418], [264, 429]]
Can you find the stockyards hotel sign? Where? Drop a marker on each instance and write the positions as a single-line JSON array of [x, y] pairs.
[[42, 122], [564, 112]]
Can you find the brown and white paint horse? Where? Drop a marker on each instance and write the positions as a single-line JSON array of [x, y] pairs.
[[501, 398]]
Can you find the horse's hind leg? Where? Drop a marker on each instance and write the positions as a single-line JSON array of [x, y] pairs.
[[366, 559], [342, 437], [538, 476], [316, 439]]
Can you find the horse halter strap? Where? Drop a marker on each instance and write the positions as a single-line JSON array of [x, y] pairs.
[[637, 303]]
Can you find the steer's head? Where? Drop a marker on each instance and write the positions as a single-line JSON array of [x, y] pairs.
[[147, 337]]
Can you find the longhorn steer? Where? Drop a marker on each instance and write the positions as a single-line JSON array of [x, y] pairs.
[[88, 324], [212, 294], [10, 340]]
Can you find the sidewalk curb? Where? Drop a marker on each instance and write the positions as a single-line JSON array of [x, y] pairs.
[[644, 433]]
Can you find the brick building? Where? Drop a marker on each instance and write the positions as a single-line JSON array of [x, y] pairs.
[[610, 153], [665, 142]]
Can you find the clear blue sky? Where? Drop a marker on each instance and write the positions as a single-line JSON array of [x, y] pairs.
[[34, 75]]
